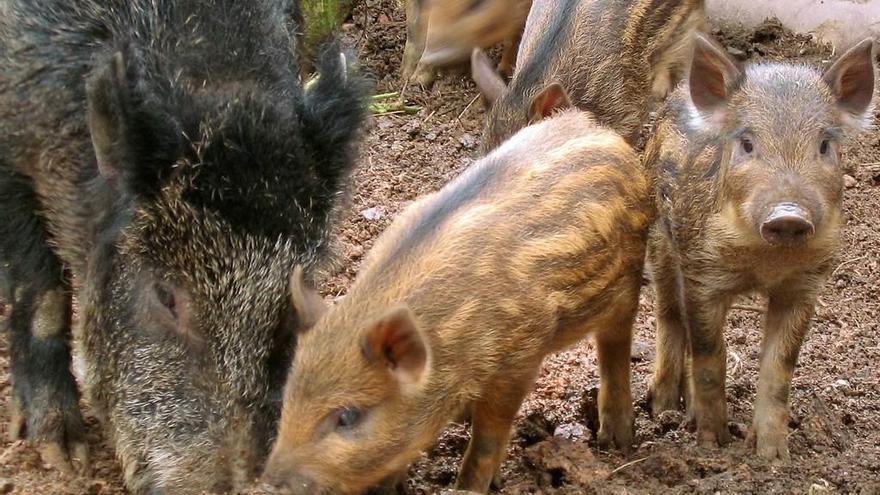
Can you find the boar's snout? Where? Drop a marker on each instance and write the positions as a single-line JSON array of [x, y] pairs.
[[291, 485], [787, 224], [282, 478]]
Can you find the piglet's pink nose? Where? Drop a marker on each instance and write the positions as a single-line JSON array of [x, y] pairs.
[[787, 224]]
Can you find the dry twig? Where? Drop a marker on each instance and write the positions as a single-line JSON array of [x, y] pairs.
[[628, 464]]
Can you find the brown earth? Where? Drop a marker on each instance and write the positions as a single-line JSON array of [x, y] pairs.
[[835, 426]]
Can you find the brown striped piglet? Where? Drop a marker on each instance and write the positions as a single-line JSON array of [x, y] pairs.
[[534, 247], [614, 58], [443, 32]]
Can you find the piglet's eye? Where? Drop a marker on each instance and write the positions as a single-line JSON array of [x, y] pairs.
[[348, 418], [746, 145], [165, 295], [474, 5], [824, 146]]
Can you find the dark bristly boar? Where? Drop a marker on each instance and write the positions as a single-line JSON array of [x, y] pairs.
[[443, 32], [748, 172], [531, 249], [609, 57], [162, 156]]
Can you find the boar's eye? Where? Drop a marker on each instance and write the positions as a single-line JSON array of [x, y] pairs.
[[824, 146], [746, 145], [348, 418], [165, 295]]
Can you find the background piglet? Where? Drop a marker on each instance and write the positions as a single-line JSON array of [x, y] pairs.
[[609, 57]]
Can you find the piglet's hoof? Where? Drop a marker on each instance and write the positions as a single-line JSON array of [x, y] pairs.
[[770, 445]]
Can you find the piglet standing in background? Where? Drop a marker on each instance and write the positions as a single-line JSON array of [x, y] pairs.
[[443, 32], [613, 58]]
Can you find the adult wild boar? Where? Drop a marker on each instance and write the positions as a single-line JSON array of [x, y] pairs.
[[161, 154]]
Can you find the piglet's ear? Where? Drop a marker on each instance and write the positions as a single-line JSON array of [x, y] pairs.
[[135, 141], [551, 99], [713, 76], [851, 80], [490, 84], [395, 341], [307, 303]]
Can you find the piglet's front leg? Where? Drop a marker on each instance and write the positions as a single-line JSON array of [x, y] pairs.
[[786, 324], [705, 316]]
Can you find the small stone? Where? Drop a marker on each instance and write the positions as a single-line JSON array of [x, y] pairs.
[[849, 181], [467, 141], [413, 127], [357, 251], [533, 429], [96, 487], [374, 213], [385, 123], [571, 431], [642, 351], [6, 485], [738, 430], [670, 420], [736, 52], [431, 136], [744, 472]]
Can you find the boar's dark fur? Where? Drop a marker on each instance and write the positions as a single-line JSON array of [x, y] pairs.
[[163, 156]]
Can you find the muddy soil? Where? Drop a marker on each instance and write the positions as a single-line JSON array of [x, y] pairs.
[[835, 425]]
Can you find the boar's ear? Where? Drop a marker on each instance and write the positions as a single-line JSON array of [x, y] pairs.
[[395, 341], [307, 303], [851, 80], [490, 84], [334, 110], [713, 76], [136, 142], [550, 99]]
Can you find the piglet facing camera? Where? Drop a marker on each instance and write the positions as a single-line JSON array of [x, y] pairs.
[[749, 184]]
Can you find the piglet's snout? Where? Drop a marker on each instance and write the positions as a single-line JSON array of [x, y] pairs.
[[787, 224]]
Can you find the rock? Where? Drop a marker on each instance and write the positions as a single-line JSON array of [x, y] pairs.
[[533, 429], [385, 123], [670, 420], [736, 52], [558, 461], [642, 351], [849, 181], [468, 141], [744, 473], [374, 213], [666, 467], [413, 128], [96, 487], [357, 251], [572, 431], [738, 430]]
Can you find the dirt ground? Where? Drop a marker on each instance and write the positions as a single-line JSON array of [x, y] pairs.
[[835, 425]]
